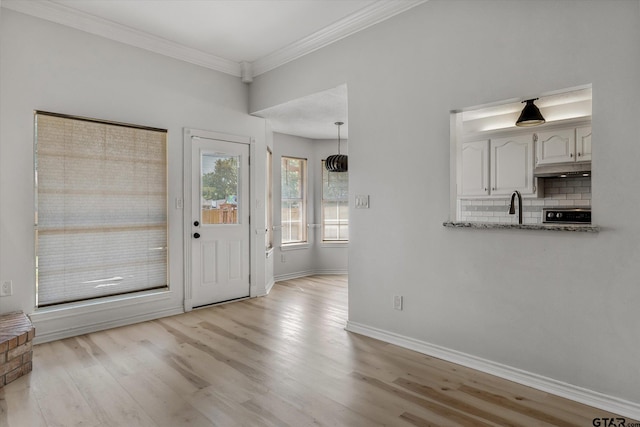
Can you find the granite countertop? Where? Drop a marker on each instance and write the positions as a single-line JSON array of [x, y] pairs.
[[544, 227]]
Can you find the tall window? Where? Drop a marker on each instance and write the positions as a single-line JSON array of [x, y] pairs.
[[269, 205], [101, 209], [335, 206], [294, 200]]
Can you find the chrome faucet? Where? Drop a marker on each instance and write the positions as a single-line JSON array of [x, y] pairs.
[[512, 208]]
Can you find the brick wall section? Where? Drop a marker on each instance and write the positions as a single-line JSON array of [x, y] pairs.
[[16, 343]]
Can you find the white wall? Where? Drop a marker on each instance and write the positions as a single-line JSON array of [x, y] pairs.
[[49, 67], [314, 257], [560, 305]]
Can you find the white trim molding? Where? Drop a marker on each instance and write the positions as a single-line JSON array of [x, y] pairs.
[[64, 15], [588, 397], [358, 21], [79, 20], [299, 274]]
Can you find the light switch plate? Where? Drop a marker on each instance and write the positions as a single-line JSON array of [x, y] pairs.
[[362, 201], [6, 289]]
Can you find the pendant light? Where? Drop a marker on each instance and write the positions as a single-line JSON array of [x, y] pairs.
[[337, 162], [530, 115]]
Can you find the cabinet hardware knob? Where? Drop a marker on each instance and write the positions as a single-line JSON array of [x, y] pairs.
[[579, 154], [196, 235], [571, 155], [196, 223]]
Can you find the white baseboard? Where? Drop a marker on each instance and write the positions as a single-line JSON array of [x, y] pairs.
[[588, 397], [269, 286], [100, 326], [298, 274]]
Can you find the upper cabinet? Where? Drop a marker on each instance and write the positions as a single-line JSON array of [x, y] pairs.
[[498, 163], [583, 144], [563, 145], [474, 179], [497, 167], [512, 165]]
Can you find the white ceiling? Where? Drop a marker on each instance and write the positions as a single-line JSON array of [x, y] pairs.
[[312, 116], [244, 38], [243, 30]]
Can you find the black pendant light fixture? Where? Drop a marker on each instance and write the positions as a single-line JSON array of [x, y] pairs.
[[530, 115], [337, 162]]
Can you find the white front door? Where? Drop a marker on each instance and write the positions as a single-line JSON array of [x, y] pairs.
[[219, 221]]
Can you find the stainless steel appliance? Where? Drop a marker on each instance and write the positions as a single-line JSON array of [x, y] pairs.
[[566, 215]]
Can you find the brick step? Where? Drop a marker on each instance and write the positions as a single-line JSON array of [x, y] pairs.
[[16, 343]]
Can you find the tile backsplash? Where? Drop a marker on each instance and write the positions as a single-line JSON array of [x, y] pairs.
[[558, 192]]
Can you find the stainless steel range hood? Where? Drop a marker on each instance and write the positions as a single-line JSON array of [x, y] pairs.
[[563, 170]]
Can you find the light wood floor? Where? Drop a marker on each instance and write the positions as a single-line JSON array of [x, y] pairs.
[[281, 360]]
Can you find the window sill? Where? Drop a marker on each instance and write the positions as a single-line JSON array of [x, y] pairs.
[[100, 304], [294, 246], [334, 244]]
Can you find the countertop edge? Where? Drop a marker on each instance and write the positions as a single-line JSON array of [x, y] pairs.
[[489, 226]]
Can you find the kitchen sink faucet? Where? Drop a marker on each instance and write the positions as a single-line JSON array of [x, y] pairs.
[[512, 208]]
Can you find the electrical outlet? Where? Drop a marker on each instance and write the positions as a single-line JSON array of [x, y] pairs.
[[397, 302], [6, 289]]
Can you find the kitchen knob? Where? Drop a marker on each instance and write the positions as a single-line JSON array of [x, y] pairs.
[[559, 215], [549, 214], [196, 235]]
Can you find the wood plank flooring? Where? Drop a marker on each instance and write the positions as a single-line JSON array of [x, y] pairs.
[[280, 360]]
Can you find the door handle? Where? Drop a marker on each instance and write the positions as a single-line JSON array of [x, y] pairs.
[[196, 235]]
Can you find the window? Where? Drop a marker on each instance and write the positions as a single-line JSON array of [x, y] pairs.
[[269, 205], [335, 206], [101, 209], [294, 200]]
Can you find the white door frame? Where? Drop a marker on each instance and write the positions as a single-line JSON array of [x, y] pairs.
[[188, 134]]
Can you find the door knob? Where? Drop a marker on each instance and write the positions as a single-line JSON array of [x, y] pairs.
[[196, 235]]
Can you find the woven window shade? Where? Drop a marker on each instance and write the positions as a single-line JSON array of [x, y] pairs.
[[101, 209]]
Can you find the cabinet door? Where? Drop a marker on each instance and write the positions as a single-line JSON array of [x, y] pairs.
[[475, 169], [512, 165], [556, 146], [583, 144]]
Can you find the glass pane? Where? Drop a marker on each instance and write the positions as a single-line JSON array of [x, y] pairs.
[[219, 186], [335, 185], [292, 174]]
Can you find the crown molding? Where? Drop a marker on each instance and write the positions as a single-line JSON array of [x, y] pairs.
[[70, 17], [64, 15], [366, 17]]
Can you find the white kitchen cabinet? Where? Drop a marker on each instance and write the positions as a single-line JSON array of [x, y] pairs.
[[555, 146], [563, 145], [474, 161], [512, 165], [583, 144]]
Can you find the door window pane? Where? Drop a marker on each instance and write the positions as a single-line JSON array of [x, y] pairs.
[[219, 186]]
